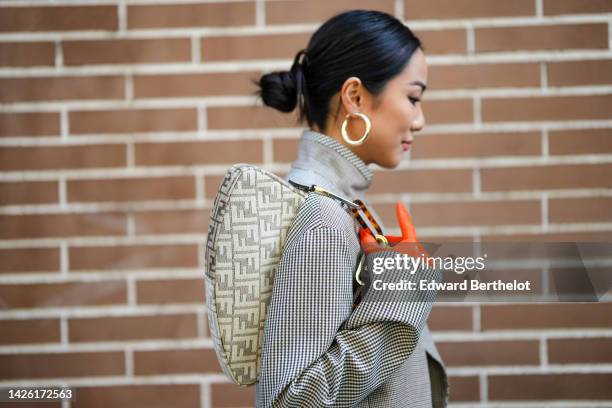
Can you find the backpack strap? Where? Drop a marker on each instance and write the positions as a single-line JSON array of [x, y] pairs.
[[320, 190], [357, 207]]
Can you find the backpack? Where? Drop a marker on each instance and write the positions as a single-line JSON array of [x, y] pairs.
[[251, 216]]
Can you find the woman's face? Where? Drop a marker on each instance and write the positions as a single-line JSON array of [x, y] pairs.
[[395, 114]]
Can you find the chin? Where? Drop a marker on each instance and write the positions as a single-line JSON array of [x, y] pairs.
[[390, 162]]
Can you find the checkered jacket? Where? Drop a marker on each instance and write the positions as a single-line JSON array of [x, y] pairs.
[[320, 352]]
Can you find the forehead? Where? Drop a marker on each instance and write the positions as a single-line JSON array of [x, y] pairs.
[[415, 70]]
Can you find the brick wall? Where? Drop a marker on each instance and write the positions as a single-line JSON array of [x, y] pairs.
[[118, 119]]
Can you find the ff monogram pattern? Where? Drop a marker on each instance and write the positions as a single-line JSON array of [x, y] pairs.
[[252, 212]]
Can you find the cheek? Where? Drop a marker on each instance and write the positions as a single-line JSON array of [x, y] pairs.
[[397, 114], [384, 143], [391, 129], [405, 113]]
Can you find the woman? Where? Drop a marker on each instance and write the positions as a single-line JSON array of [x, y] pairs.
[[359, 84]]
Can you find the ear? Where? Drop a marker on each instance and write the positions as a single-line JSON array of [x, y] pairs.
[[352, 94]]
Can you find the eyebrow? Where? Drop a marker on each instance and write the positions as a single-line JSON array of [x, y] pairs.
[[419, 83]]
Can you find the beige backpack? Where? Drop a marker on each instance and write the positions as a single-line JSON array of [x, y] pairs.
[[248, 228]]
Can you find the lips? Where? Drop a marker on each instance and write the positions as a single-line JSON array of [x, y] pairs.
[[406, 145]]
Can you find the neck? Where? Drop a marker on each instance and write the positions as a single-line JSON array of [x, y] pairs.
[[327, 162]]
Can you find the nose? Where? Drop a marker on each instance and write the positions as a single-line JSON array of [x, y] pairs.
[[418, 122]]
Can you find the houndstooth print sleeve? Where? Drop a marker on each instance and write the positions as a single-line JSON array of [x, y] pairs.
[[316, 351]]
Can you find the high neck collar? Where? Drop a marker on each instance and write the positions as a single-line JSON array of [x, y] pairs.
[[324, 161]]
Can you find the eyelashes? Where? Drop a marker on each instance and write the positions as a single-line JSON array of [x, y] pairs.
[[414, 100]]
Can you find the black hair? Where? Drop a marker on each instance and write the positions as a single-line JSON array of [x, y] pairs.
[[371, 45]]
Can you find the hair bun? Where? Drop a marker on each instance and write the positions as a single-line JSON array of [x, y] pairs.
[[279, 90]]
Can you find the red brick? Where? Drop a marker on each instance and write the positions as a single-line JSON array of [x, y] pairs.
[[232, 396], [133, 120], [579, 73], [61, 88], [450, 111], [176, 362], [453, 9], [455, 180], [580, 141], [580, 351], [316, 11], [493, 352], [193, 153], [133, 257], [26, 54], [591, 209], [62, 225], [249, 117], [35, 192], [172, 221], [253, 46], [239, 13], [62, 157], [470, 213], [212, 184], [31, 405], [551, 177], [457, 145], [544, 37], [442, 238], [50, 365], [285, 150], [552, 7], [451, 41], [546, 316], [29, 260], [30, 124], [524, 251], [170, 291], [126, 51], [131, 189], [473, 76], [552, 387], [577, 236], [29, 331], [132, 328], [450, 318], [464, 389], [190, 85], [138, 396], [543, 108], [58, 18], [40, 295]]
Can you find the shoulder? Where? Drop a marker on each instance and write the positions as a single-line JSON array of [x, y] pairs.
[[319, 212]]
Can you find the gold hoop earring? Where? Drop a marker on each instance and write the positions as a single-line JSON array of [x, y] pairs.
[[345, 135]]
